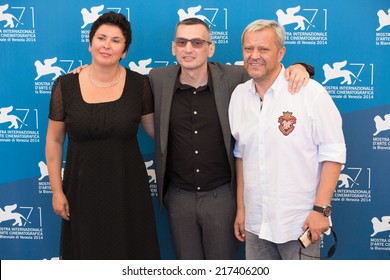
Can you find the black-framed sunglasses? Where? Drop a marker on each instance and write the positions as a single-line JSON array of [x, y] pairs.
[[331, 251], [195, 43]]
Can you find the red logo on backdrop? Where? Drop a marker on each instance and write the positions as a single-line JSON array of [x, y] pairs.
[[287, 122]]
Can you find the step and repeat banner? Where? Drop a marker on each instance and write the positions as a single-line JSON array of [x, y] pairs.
[[347, 41]]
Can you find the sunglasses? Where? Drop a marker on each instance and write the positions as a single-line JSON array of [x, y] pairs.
[[195, 43], [331, 251]]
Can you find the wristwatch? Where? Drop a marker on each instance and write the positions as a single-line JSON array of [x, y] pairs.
[[324, 210]]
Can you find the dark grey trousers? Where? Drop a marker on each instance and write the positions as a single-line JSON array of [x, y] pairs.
[[201, 223]]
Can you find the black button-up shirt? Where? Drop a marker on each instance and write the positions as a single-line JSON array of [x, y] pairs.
[[197, 157]]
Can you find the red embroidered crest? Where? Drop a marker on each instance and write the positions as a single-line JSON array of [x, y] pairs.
[[287, 122]]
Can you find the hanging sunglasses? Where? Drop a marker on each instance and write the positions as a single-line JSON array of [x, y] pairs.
[[331, 251]]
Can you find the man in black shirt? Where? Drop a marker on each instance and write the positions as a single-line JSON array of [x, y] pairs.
[[193, 146]]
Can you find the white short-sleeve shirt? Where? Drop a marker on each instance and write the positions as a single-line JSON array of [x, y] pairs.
[[282, 143]]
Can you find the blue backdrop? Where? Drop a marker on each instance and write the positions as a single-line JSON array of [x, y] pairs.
[[347, 41]]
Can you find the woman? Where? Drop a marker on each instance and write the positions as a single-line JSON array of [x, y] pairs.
[[104, 199]]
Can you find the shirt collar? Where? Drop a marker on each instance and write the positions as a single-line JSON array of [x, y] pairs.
[[180, 86], [275, 87]]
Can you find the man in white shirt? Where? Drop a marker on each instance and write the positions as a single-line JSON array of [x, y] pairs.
[[289, 151]]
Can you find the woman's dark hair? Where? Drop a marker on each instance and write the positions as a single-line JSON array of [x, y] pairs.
[[116, 19]]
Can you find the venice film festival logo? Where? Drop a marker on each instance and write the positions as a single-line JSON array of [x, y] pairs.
[[49, 69], [18, 125], [383, 36], [215, 17], [349, 80], [152, 177], [306, 26], [354, 185], [43, 180], [23, 222], [17, 24], [380, 240], [90, 14], [381, 139], [144, 66]]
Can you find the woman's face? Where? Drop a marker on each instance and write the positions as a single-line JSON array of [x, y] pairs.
[[108, 45]]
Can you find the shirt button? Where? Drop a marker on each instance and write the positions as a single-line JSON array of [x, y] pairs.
[[196, 132], [196, 152], [197, 170], [194, 92], [195, 112], [198, 188]]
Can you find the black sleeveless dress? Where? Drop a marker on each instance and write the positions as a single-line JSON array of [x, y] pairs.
[[105, 179]]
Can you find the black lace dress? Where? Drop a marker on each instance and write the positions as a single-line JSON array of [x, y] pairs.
[[105, 179]]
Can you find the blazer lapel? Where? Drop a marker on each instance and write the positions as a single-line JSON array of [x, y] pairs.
[[222, 97], [166, 103]]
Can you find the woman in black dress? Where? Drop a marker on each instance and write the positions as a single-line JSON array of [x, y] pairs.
[[104, 198]]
